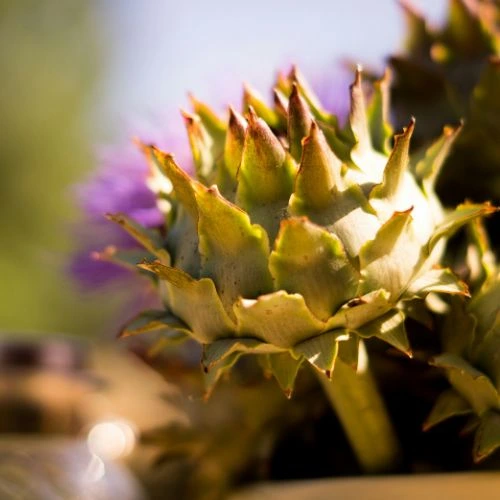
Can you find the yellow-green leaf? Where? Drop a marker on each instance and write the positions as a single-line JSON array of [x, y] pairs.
[[311, 261], [449, 404], [487, 437], [279, 318], [195, 302], [321, 351], [148, 238], [234, 252], [469, 382]]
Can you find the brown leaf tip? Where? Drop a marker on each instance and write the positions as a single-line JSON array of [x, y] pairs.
[[279, 100], [188, 117], [235, 118], [294, 94], [357, 301], [252, 116], [119, 217], [294, 75], [402, 213], [357, 76], [313, 134], [142, 146], [411, 9]]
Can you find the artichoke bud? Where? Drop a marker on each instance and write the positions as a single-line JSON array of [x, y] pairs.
[[312, 240]]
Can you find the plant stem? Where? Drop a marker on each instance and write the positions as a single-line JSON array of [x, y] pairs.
[[357, 402]]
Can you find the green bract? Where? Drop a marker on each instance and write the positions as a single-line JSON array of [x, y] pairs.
[[471, 358], [298, 238]]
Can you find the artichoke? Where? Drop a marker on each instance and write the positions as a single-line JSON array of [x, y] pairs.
[[471, 355], [298, 239], [453, 73]]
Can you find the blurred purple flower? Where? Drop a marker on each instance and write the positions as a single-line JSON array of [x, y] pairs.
[[118, 186]]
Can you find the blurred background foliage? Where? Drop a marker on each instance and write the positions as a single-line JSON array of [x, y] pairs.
[[51, 53]]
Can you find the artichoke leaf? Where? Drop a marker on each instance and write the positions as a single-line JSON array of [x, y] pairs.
[[280, 101], [438, 281], [299, 122], [265, 177], [182, 242], [428, 168], [485, 305], [233, 151], [358, 123], [321, 351], [448, 404], [361, 310], [279, 318], [487, 349], [458, 331], [455, 220], [148, 238], [234, 252], [196, 302], [183, 185], [204, 148], [472, 384], [312, 100], [390, 328], [284, 368], [319, 172], [378, 115], [212, 375], [126, 258], [216, 351], [158, 321], [338, 145], [253, 100], [214, 126], [395, 170], [487, 437], [349, 349], [312, 262], [345, 213], [480, 257], [384, 260]]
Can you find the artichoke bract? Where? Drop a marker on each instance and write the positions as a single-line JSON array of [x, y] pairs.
[[298, 239], [470, 358]]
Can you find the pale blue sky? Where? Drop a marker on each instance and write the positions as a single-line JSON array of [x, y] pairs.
[[160, 49]]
